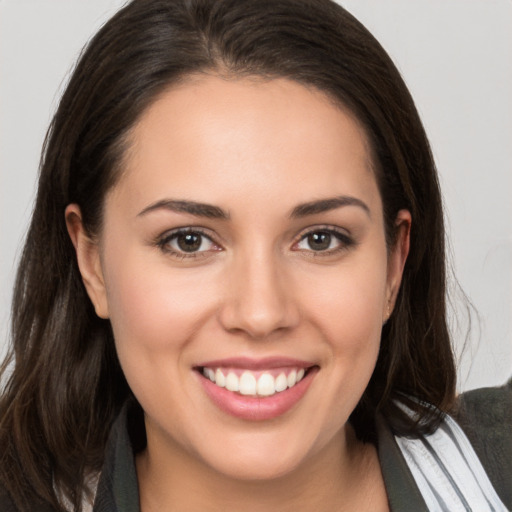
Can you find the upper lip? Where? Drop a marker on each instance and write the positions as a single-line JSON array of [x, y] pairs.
[[266, 363]]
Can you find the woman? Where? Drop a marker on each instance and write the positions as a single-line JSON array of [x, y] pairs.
[[232, 291]]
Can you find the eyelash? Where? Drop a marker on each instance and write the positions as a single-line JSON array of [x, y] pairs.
[[344, 240], [165, 240]]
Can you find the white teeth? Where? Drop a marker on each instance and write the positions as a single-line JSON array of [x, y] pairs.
[[232, 382], [247, 384], [292, 378], [281, 382], [266, 386], [220, 380], [209, 373]]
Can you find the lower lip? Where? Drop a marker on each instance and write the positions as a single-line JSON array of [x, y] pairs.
[[257, 408]]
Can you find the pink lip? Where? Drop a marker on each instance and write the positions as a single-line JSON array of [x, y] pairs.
[[256, 408], [267, 363]]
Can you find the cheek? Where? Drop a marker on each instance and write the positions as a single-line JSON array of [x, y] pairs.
[[348, 304], [347, 311], [153, 306], [155, 312]]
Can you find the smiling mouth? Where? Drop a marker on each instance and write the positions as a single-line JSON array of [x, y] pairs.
[[251, 383], [256, 389]]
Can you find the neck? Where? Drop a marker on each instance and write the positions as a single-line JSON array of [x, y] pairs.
[[343, 475]]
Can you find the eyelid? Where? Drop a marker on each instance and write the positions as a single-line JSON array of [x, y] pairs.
[[163, 241], [346, 240], [323, 227]]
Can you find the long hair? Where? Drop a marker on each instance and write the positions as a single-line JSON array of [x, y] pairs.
[[66, 385]]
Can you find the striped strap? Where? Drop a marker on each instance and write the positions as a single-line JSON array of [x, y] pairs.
[[448, 472]]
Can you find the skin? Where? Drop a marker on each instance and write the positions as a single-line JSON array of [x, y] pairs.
[[255, 149]]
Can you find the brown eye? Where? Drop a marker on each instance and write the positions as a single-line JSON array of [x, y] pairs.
[[319, 241], [326, 241], [189, 242]]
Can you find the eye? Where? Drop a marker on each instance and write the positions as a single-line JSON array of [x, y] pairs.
[[324, 240], [187, 242]]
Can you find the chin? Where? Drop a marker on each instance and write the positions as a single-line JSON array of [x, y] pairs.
[[257, 458], [259, 470]]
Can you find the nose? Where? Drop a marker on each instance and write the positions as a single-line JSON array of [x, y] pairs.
[[259, 299]]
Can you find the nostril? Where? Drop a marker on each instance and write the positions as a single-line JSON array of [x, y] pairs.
[[257, 323], [258, 302]]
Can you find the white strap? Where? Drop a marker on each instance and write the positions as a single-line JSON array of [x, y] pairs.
[[448, 472]]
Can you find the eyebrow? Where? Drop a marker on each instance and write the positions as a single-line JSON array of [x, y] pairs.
[[325, 205], [214, 212], [191, 207]]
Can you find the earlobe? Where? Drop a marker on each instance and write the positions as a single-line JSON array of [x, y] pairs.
[[88, 259], [397, 258]]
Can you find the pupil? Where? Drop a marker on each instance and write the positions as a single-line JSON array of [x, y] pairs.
[[189, 242], [319, 241]]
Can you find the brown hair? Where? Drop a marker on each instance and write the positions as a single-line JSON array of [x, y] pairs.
[[66, 386]]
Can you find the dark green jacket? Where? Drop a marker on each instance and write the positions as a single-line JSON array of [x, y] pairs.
[[485, 415]]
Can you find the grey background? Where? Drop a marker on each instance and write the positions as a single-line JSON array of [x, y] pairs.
[[455, 55]]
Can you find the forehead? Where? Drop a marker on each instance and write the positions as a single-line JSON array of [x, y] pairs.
[[214, 138]]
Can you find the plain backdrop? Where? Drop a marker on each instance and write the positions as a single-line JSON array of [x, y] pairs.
[[456, 57]]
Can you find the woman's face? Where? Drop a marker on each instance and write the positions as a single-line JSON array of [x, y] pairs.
[[244, 243]]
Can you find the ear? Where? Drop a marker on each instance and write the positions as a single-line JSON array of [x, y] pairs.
[[88, 258], [396, 260]]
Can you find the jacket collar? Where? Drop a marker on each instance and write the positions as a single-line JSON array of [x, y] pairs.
[[118, 489], [403, 493]]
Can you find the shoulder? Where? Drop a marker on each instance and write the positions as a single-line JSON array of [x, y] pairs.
[[485, 415], [6, 504]]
